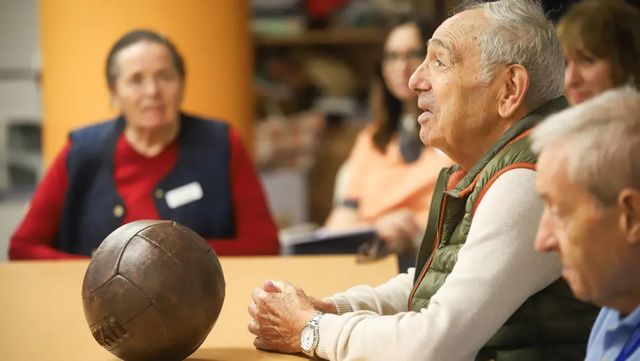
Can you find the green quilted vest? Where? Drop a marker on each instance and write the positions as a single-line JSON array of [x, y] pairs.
[[549, 325]]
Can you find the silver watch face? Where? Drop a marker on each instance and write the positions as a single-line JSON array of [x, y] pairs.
[[306, 338]]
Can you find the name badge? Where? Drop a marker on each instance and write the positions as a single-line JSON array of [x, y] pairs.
[[182, 195]]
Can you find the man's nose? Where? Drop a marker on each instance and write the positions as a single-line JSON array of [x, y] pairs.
[[419, 80], [546, 240]]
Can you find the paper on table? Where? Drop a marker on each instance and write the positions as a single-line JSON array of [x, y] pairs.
[[308, 233]]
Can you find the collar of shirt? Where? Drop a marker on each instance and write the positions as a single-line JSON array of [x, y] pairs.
[[618, 330]]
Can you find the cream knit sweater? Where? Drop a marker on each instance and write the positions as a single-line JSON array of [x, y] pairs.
[[496, 271]]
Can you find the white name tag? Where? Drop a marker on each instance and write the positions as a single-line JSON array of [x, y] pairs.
[[182, 195]]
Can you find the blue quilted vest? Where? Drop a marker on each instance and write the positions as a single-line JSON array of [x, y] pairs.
[[93, 209]]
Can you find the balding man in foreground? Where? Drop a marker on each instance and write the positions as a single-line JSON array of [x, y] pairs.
[[589, 179]]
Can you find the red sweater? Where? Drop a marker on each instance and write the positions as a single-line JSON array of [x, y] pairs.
[[135, 176]]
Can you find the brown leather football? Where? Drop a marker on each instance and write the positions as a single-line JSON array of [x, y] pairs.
[[153, 291]]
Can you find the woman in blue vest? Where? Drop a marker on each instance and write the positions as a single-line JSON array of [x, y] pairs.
[[151, 162]]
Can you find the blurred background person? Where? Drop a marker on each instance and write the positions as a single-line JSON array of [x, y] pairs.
[[589, 179], [601, 42], [390, 175], [151, 162]]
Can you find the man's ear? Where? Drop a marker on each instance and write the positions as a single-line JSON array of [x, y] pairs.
[[515, 83], [629, 202]]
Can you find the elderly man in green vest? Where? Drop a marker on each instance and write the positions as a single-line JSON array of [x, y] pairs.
[[479, 289]]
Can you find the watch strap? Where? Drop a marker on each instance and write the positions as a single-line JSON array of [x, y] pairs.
[[314, 324]]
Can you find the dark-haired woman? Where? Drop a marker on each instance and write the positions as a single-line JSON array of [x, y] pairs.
[[390, 174]]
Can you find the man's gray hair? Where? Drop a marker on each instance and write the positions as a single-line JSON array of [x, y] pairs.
[[520, 33], [602, 140]]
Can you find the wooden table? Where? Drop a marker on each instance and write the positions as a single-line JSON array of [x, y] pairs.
[[41, 315]]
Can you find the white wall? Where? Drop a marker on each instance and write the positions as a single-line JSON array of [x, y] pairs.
[[11, 212], [19, 34], [19, 94]]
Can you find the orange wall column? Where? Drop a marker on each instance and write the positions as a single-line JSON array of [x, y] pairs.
[[212, 35]]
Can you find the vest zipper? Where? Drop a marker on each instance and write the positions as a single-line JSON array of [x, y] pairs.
[[436, 243]]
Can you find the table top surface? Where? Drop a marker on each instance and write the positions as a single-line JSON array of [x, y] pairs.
[[41, 314]]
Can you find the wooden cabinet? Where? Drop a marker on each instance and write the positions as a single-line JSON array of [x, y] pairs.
[[328, 72]]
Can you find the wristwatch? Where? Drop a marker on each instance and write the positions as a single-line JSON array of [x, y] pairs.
[[310, 335]]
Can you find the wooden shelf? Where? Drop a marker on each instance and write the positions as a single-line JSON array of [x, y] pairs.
[[347, 36]]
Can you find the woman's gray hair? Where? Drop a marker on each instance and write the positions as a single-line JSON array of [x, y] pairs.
[[520, 33], [601, 138]]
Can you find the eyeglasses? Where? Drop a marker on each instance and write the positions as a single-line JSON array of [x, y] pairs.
[[415, 55]]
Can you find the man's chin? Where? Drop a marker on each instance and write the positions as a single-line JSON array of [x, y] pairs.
[[577, 287], [426, 141], [427, 138]]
